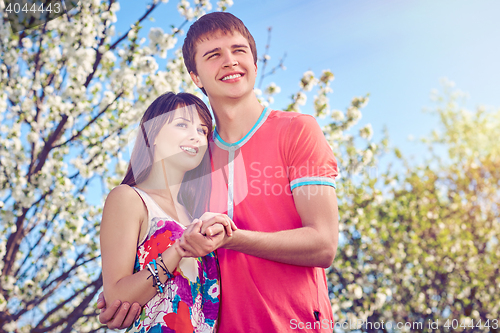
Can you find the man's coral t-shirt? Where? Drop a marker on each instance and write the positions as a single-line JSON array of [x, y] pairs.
[[252, 181]]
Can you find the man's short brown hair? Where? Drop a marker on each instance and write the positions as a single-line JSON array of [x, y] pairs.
[[210, 24]]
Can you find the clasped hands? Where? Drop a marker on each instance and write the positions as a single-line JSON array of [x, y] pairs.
[[205, 235], [202, 236]]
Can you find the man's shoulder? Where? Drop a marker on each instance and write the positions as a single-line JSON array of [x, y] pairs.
[[278, 114], [293, 122], [289, 118]]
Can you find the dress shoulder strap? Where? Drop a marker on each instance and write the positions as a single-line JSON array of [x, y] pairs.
[[155, 214], [153, 208]]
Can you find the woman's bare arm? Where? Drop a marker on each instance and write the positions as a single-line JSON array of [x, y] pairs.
[[120, 228]]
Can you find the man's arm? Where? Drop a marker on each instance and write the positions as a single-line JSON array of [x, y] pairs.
[[314, 244]]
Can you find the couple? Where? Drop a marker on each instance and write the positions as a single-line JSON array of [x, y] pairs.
[[270, 172]]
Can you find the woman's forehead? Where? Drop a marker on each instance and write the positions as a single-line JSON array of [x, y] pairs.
[[189, 112], [185, 111]]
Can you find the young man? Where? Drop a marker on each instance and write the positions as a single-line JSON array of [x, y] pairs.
[[273, 174]]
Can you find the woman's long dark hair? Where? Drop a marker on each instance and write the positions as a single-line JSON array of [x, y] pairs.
[[142, 159]]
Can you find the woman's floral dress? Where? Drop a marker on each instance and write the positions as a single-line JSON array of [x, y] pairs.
[[195, 289]]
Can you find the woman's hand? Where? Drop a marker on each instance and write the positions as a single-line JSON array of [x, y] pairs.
[[212, 220], [183, 253], [195, 244], [205, 235]]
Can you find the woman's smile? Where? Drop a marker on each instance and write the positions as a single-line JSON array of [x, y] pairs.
[[190, 150]]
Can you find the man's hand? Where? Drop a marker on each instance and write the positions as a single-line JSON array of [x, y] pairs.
[[312, 245], [118, 315], [194, 244]]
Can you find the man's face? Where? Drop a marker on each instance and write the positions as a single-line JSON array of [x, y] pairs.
[[225, 66]]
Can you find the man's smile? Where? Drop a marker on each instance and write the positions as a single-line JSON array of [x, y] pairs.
[[232, 76]]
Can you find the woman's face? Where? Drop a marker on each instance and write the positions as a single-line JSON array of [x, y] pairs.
[[183, 141]]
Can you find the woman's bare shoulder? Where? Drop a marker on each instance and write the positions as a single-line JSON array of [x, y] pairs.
[[123, 191], [125, 199]]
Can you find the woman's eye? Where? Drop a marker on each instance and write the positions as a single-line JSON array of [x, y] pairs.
[[202, 131], [181, 125]]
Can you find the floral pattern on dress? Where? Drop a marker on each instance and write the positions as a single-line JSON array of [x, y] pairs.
[[195, 287]]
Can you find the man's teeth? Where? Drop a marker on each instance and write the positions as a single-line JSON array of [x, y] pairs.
[[229, 77], [191, 150]]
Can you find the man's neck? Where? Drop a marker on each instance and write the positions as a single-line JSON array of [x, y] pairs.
[[235, 118]]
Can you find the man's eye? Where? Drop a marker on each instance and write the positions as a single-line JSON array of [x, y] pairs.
[[212, 55]]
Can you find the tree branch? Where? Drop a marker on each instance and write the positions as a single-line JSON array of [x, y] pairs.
[[66, 274], [42, 157], [90, 122], [98, 54], [264, 60], [76, 312], [13, 243], [29, 305], [152, 7]]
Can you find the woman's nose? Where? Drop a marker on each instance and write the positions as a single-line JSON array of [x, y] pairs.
[[195, 135]]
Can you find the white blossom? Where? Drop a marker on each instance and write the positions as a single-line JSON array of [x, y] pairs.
[[301, 98], [308, 81], [367, 156], [353, 113], [366, 132], [185, 10], [337, 115], [272, 89], [224, 4]]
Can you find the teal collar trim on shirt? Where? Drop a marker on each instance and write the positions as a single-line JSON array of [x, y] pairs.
[[263, 116]]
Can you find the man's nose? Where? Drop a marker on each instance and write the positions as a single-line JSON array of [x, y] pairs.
[[229, 60]]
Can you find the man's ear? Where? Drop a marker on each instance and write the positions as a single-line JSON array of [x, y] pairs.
[[255, 68], [196, 79]]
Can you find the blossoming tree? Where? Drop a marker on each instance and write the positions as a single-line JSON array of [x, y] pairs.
[[69, 90], [421, 246]]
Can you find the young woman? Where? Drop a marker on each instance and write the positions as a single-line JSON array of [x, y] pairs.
[[167, 185]]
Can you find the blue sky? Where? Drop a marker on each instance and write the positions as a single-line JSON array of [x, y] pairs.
[[393, 49]]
